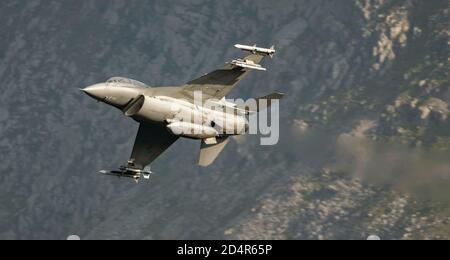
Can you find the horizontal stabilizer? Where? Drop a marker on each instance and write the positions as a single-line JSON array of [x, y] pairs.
[[209, 152]]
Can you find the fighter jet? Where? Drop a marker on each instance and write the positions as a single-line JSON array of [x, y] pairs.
[[162, 111]]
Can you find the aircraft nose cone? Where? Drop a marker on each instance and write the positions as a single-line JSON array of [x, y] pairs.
[[97, 92]]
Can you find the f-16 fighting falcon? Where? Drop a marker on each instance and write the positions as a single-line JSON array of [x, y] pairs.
[[162, 112]]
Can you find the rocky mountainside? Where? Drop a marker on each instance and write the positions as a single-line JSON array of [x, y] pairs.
[[365, 142]]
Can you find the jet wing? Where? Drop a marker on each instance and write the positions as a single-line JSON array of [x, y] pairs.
[[217, 84], [151, 141]]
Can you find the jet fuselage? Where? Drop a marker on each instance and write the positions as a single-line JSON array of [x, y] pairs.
[[197, 110], [181, 117]]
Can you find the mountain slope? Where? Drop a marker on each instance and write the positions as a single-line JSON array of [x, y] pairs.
[[364, 127]]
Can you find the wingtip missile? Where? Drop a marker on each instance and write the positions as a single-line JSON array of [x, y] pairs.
[[257, 50], [127, 172]]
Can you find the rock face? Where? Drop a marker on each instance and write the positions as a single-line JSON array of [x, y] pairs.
[[368, 90]]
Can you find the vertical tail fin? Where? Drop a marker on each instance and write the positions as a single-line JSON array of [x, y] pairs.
[[262, 106]]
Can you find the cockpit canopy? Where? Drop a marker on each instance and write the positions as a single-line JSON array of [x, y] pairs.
[[127, 81]]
